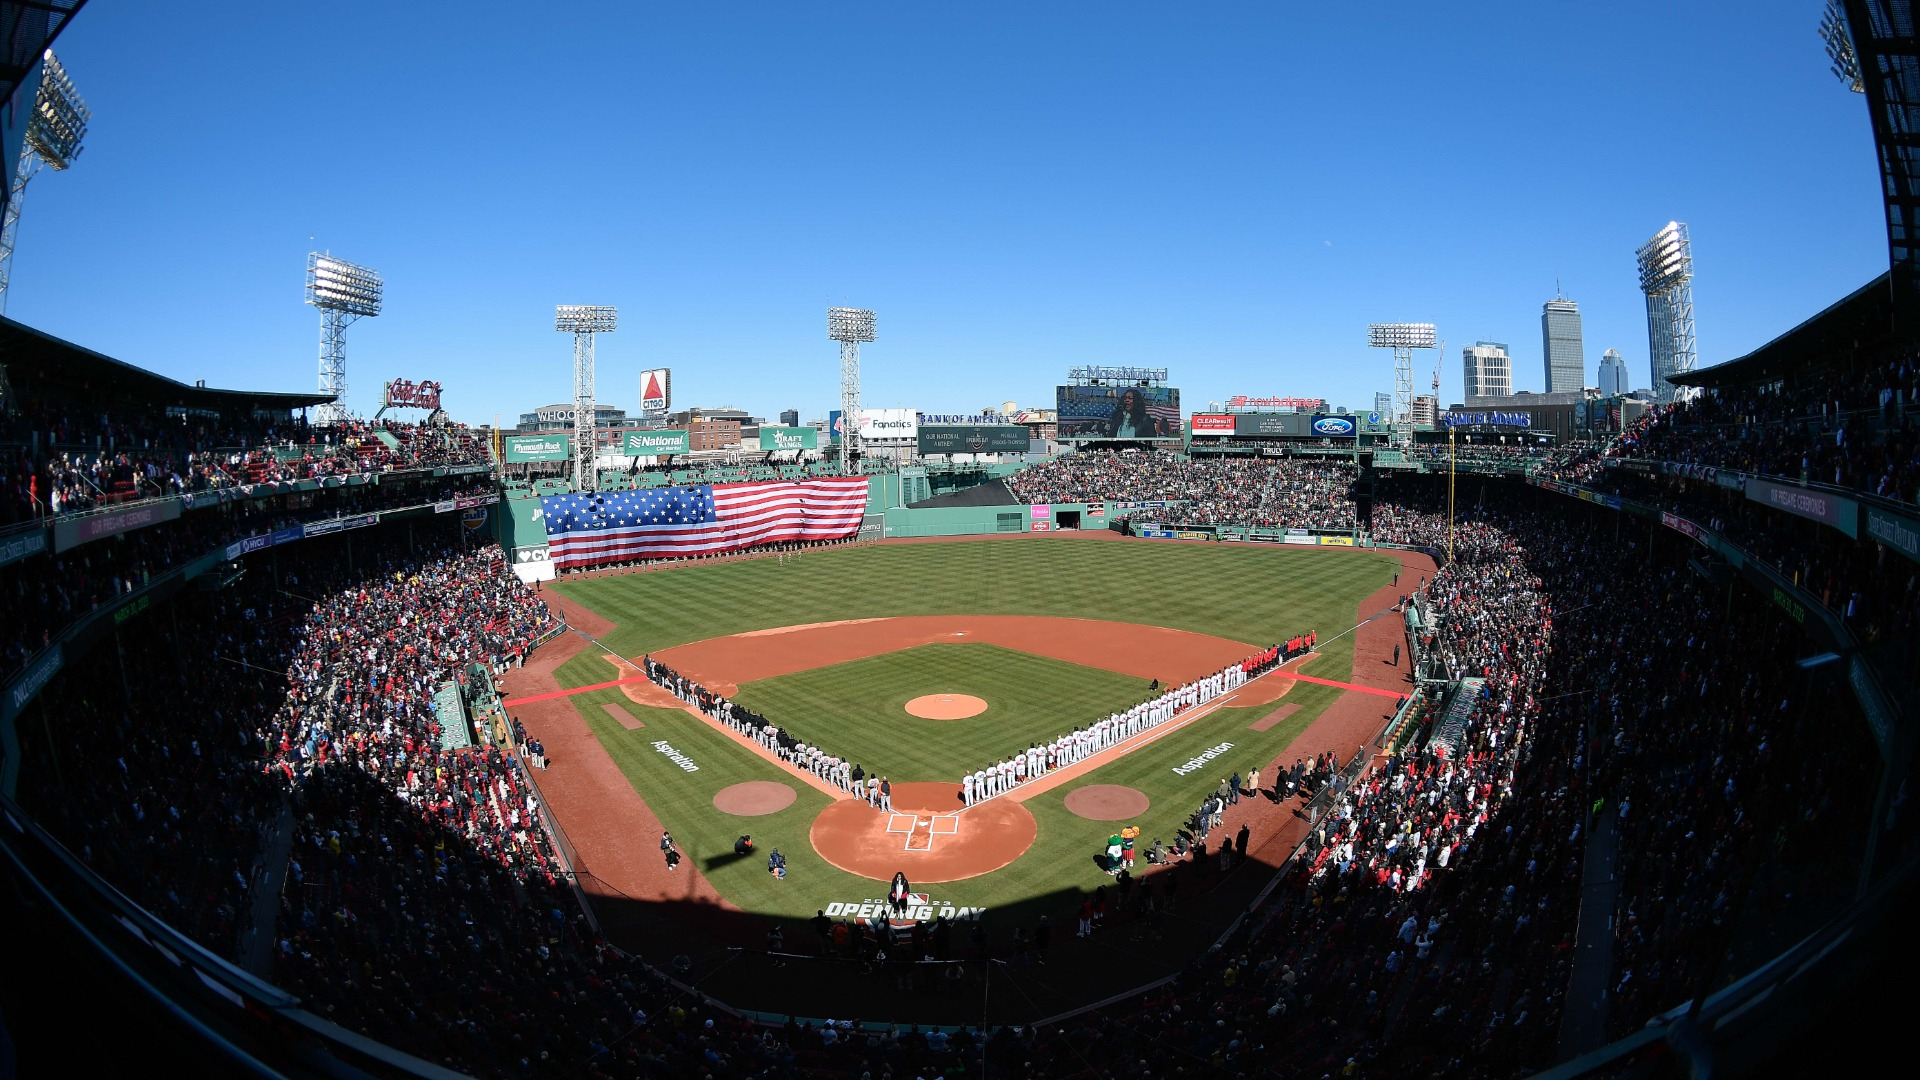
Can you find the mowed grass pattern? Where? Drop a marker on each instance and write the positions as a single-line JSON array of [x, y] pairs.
[[1252, 593], [859, 708]]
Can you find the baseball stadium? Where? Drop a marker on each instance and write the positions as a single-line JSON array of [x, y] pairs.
[[1568, 734]]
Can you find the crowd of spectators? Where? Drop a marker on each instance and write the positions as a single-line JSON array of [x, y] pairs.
[[1275, 493], [42, 594], [1425, 927], [58, 460], [1852, 429]]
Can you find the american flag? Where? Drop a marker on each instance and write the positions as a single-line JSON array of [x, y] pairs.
[[655, 523]]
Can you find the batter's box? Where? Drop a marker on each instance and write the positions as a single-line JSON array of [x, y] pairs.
[[951, 821], [902, 823]]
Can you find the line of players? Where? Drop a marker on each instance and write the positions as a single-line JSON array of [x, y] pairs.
[[1081, 743]]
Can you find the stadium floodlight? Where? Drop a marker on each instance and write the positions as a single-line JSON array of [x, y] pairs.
[[849, 327], [1401, 335], [583, 321], [1402, 338], [1839, 41], [1666, 277], [54, 132], [343, 292]]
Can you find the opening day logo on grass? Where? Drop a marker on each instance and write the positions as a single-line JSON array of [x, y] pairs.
[[665, 749], [1193, 763], [919, 909]]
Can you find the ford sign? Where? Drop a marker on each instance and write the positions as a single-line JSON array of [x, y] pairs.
[[1339, 427]]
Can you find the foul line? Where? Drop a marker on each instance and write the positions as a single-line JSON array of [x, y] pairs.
[[516, 702], [1342, 685]]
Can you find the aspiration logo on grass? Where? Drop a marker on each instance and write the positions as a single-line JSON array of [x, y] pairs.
[[1193, 763], [920, 908], [666, 749]]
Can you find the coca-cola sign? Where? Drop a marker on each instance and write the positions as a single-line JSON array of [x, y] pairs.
[[405, 393]]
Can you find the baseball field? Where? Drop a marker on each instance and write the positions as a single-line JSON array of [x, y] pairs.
[[880, 625]]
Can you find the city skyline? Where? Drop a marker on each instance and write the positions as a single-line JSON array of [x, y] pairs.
[[1017, 205], [1562, 346]]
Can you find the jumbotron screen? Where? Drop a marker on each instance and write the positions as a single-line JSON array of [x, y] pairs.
[[1118, 412]]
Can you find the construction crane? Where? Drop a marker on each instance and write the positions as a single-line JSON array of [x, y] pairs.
[[54, 132]]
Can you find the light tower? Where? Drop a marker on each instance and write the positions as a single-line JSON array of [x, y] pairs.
[[1402, 338], [343, 292], [52, 138], [849, 327], [1666, 277], [584, 321]]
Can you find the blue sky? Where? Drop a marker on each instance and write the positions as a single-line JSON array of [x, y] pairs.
[[1232, 191]]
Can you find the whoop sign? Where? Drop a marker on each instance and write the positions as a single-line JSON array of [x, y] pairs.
[[1333, 427]]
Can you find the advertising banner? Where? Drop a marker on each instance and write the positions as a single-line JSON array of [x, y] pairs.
[[15, 548], [1334, 427], [1118, 412], [407, 394], [1681, 525], [32, 680], [1242, 401], [834, 426], [74, 531], [1336, 541], [788, 438], [1270, 423], [1042, 526], [889, 424], [1902, 534], [656, 390], [1042, 510], [526, 448], [1824, 507], [655, 443], [973, 439], [1211, 424]]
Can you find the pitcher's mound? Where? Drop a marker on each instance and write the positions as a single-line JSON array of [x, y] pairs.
[[755, 798], [946, 706], [1107, 802]]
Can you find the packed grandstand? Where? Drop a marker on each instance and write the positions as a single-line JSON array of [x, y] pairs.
[[1648, 804], [263, 765]]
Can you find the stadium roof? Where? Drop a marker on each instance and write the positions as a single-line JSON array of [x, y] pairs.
[[27, 27], [34, 360], [1862, 318]]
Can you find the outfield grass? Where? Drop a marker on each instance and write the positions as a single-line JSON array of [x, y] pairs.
[[858, 708], [1252, 594]]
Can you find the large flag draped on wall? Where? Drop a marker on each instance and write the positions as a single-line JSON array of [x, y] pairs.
[[659, 523]]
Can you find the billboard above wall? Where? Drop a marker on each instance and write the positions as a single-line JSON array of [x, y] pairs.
[[656, 390], [522, 449], [973, 439], [1118, 412], [655, 443], [788, 438], [891, 424]]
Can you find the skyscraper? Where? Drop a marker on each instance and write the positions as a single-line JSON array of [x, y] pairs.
[[1565, 355], [790, 417], [1487, 370], [1383, 404], [1613, 374]]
